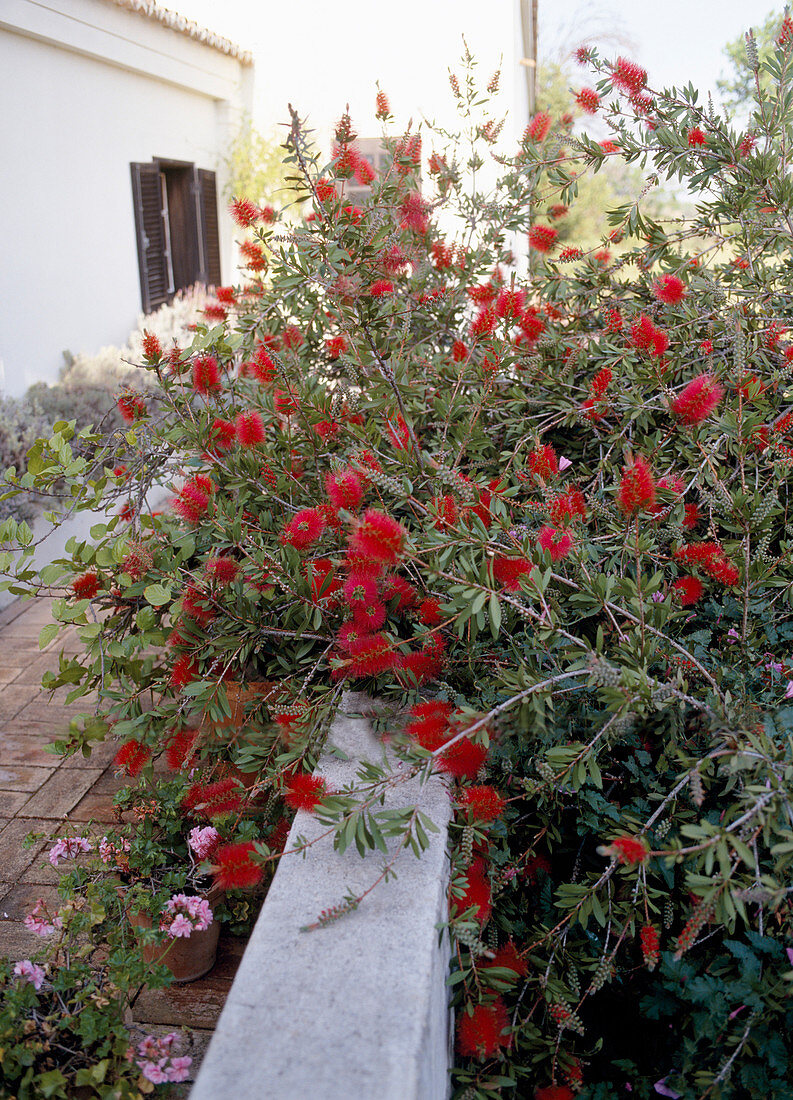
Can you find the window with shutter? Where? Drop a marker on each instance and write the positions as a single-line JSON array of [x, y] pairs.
[[151, 233], [208, 204], [176, 222]]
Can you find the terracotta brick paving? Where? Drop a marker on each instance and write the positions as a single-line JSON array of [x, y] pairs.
[[41, 793]]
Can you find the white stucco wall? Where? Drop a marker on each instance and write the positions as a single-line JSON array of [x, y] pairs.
[[89, 88]]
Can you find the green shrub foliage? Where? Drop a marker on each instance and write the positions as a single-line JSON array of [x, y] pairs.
[[543, 504]]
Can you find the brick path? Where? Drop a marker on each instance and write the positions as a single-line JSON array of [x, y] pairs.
[[40, 793]]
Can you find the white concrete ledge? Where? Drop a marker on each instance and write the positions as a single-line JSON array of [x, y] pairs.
[[357, 1010]]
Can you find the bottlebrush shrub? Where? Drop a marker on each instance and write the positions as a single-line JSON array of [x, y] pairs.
[[481, 508]]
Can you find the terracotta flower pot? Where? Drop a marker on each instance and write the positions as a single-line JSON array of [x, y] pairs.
[[187, 958]]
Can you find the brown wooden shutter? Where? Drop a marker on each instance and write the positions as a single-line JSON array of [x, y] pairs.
[[150, 233], [208, 226]]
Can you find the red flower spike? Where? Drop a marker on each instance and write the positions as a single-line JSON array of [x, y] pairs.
[[479, 1035], [212, 800], [542, 238], [368, 655], [629, 850], [688, 590], [244, 212], [696, 137], [86, 586], [509, 957], [250, 429], [151, 347], [184, 670], [557, 543], [538, 128], [304, 529], [206, 374], [568, 508], [484, 803], [223, 434], [380, 288], [554, 1092], [397, 588], [429, 612], [543, 461], [304, 792], [588, 100], [180, 750], [510, 572], [359, 590], [629, 77], [651, 946], [477, 893], [131, 407], [637, 488], [345, 490], [670, 290], [234, 868], [379, 537], [382, 107], [132, 757], [698, 400], [223, 570]]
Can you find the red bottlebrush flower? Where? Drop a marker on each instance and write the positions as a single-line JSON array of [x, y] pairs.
[[688, 589], [558, 210], [509, 302], [264, 368], [477, 893], [180, 750], [651, 946], [583, 55], [442, 256], [244, 212], [131, 406], [369, 655], [629, 850], [748, 143], [429, 612], [255, 260], [397, 588], [250, 429], [588, 100], [223, 570], [463, 759], [226, 295], [234, 866], [183, 671], [359, 590], [152, 350], [480, 1034], [538, 128], [447, 511], [138, 560], [696, 136], [304, 792], [724, 571], [370, 617], [285, 402], [424, 664], [642, 331], [214, 799], [508, 957], [691, 518], [214, 311], [459, 351], [483, 324], [192, 501], [570, 253], [345, 490], [304, 529], [532, 324], [86, 586], [706, 347], [335, 346], [325, 189], [223, 434], [511, 571], [602, 256], [601, 382], [348, 637], [132, 757], [292, 337], [637, 488], [484, 803], [554, 1092], [429, 723], [196, 605], [698, 400], [614, 323], [206, 374], [557, 543], [327, 429], [379, 537], [381, 287], [543, 461], [660, 342], [382, 107], [414, 213], [398, 433], [568, 508], [542, 238], [629, 77], [670, 289], [785, 36]]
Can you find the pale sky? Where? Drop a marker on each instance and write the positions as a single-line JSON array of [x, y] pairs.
[[320, 55]]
